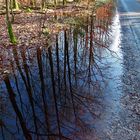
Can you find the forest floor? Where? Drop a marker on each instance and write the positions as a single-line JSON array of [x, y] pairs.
[[29, 26], [38, 28]]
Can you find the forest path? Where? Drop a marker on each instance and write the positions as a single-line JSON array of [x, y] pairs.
[[121, 117]]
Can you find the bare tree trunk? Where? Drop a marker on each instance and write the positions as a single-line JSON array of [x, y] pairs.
[[15, 4], [64, 2], [43, 4], [55, 3], [9, 25]]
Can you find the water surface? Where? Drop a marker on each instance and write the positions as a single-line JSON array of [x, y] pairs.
[[65, 89]]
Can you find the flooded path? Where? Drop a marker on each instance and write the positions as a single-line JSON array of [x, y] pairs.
[[70, 88], [122, 116]]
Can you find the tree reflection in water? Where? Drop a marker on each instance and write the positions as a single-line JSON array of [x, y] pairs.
[[52, 89]]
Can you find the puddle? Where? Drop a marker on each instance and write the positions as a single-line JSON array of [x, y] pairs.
[[61, 90]]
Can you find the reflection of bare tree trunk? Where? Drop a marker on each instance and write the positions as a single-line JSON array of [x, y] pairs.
[[2, 131], [58, 69], [69, 71], [100, 32], [91, 39], [29, 89], [65, 83], [85, 49], [40, 66], [27, 83], [54, 92], [91, 49], [17, 86], [67, 58], [75, 37], [106, 27], [15, 54], [16, 109], [86, 41]]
